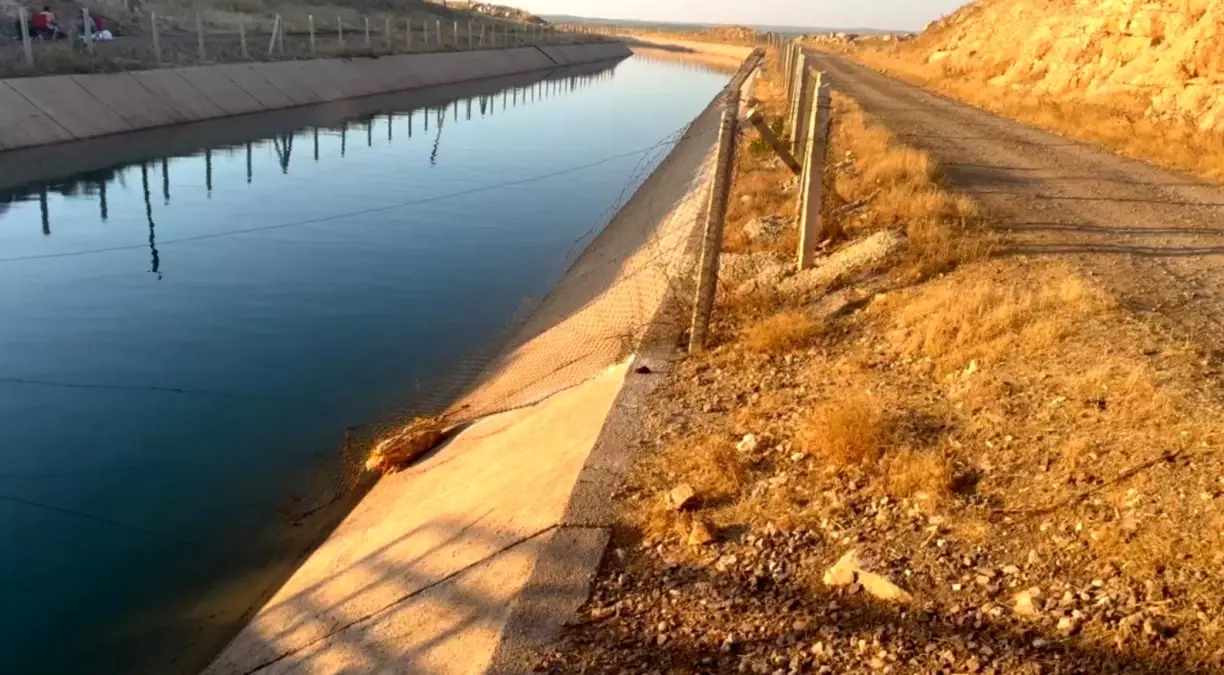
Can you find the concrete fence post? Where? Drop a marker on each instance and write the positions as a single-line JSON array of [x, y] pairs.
[[482, 34], [156, 42], [367, 30], [438, 30], [242, 42], [455, 35], [310, 20], [340, 29], [408, 40], [716, 215], [200, 37], [87, 25], [811, 228], [803, 104], [272, 42], [469, 36], [26, 48], [387, 28], [425, 27], [280, 34]]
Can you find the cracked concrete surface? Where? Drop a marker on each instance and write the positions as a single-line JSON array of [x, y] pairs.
[[420, 578]]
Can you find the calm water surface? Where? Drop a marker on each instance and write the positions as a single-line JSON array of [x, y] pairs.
[[186, 343]]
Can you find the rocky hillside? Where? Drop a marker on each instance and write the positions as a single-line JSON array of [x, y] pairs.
[[1167, 53]]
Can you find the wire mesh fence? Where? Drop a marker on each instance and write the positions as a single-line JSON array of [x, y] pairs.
[[120, 36]]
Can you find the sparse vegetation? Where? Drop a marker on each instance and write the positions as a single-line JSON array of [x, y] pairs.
[[976, 425], [782, 332]]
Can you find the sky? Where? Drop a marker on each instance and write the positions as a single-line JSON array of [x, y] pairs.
[[885, 14]]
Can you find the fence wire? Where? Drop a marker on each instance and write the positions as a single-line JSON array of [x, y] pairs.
[[188, 33]]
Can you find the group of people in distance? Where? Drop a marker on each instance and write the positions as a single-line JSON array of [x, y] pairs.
[[45, 25]]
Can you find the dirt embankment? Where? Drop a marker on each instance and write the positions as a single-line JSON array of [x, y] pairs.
[[946, 457], [1141, 78]]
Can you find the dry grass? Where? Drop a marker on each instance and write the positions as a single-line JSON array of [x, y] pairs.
[[981, 320], [848, 431], [924, 476], [901, 186], [1118, 122], [783, 332]]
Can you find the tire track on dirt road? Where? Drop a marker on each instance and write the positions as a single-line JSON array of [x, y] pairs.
[[1152, 236]]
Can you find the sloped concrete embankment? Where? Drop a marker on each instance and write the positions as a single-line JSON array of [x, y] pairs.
[[43, 110], [462, 562]]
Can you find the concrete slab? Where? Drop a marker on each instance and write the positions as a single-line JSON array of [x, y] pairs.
[[422, 575], [172, 89], [63, 100], [309, 73], [286, 78], [556, 55], [219, 89], [22, 124], [411, 75], [123, 94], [349, 76], [245, 76]]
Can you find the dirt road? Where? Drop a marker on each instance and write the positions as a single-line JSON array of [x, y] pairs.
[[1154, 237]]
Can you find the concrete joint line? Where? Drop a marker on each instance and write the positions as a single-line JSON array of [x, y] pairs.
[[505, 549]]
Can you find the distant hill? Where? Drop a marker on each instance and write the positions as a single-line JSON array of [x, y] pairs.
[[690, 27]]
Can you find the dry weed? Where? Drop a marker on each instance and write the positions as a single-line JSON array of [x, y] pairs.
[[922, 475], [784, 332], [981, 319], [847, 431]]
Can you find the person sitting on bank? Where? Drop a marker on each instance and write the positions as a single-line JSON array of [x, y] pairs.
[[44, 23]]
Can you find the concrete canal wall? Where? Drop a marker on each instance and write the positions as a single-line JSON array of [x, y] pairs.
[[44, 110]]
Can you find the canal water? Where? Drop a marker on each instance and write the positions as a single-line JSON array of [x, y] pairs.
[[193, 346]]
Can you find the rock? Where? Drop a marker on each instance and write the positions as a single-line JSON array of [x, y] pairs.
[[848, 262], [1068, 625], [748, 444], [849, 571], [700, 533], [682, 497], [1025, 603], [767, 229], [1157, 629]]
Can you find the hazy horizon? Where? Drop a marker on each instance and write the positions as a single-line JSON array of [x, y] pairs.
[[881, 14]]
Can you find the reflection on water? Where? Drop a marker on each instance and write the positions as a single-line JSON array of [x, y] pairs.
[[194, 338]]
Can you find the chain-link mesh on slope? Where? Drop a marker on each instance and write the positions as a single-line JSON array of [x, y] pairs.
[[619, 286]]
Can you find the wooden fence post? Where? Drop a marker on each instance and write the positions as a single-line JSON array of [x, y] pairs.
[[242, 43], [26, 48], [811, 230], [310, 20], [716, 216]]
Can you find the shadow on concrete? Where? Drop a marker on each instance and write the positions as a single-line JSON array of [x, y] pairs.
[[396, 618]]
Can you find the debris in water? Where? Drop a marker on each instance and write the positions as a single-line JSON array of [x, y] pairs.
[[405, 446]]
